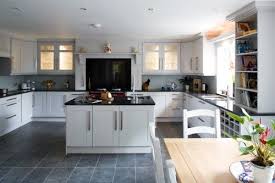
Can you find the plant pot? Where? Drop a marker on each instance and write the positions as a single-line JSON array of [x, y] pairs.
[[187, 87], [262, 174]]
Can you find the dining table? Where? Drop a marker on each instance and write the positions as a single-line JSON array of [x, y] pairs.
[[204, 160]]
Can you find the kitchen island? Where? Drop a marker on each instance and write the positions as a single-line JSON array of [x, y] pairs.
[[117, 126]]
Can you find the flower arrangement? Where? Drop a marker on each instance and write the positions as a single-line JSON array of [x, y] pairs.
[[258, 141]]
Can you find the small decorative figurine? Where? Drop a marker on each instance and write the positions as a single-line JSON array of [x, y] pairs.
[[107, 48]]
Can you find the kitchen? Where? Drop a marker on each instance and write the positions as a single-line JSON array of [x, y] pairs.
[[91, 97]]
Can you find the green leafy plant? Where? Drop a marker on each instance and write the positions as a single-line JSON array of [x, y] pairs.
[[258, 141]]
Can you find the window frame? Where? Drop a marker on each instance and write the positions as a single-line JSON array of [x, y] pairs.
[[56, 51]]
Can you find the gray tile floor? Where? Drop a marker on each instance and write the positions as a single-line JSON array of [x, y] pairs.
[[35, 153]]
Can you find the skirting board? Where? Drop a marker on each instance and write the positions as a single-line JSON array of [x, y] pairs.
[[107, 150], [48, 119], [160, 120]]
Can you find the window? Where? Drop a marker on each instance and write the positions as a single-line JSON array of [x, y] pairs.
[[55, 55], [225, 52]]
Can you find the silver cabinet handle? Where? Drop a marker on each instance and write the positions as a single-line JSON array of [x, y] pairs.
[[201, 120], [190, 96], [11, 104], [191, 63], [121, 120], [11, 99], [11, 116], [33, 100], [89, 122], [201, 102], [115, 120], [177, 108], [197, 63]]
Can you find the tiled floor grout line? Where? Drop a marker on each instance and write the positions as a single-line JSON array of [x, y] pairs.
[[48, 175], [94, 168], [27, 174], [6, 174], [115, 168], [73, 169]]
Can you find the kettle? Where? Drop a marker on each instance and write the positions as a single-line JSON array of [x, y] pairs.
[[174, 86]]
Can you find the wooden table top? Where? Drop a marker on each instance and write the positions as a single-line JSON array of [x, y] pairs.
[[204, 160]]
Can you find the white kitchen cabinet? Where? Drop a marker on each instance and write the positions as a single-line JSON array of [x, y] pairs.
[[4, 46], [161, 58], [24, 57], [79, 126], [198, 57], [10, 114], [55, 104], [27, 107], [40, 104], [106, 126], [174, 104], [160, 107], [134, 126]]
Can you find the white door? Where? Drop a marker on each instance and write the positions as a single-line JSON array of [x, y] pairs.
[[16, 56], [28, 61], [27, 107], [40, 104], [133, 127], [105, 126], [186, 58], [55, 104], [160, 107], [79, 126], [171, 57]]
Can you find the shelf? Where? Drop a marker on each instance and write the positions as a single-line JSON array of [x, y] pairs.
[[246, 107], [246, 71], [249, 53], [247, 89], [251, 35]]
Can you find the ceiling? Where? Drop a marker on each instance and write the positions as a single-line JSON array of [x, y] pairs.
[[119, 18]]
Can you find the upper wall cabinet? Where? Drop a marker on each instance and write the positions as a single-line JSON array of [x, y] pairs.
[[161, 58], [198, 58], [55, 57], [4, 46], [24, 57]]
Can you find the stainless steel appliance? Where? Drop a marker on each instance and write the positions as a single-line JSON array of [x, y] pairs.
[[5, 66], [3, 91]]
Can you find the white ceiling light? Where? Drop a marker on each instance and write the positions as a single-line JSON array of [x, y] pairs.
[[16, 11], [150, 10], [83, 9], [95, 26]]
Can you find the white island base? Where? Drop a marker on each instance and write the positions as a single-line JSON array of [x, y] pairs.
[[108, 128]]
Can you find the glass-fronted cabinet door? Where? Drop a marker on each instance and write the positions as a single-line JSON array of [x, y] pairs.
[[151, 60], [171, 53]]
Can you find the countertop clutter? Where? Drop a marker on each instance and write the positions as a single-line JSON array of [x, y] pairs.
[[146, 100]]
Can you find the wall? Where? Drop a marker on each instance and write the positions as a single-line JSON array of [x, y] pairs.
[[158, 81], [11, 82]]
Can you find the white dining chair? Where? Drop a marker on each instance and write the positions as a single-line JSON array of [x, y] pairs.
[[214, 114], [160, 170]]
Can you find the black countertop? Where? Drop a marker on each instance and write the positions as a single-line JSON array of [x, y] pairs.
[[12, 93], [147, 100]]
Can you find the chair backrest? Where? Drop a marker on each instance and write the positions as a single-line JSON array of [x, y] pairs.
[[158, 165], [215, 115]]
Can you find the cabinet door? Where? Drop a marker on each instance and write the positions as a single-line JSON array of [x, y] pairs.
[[151, 60], [55, 104], [174, 104], [79, 126], [27, 107], [186, 58], [171, 57], [16, 56], [4, 46], [160, 104], [134, 122], [198, 56], [40, 104], [105, 126], [28, 61]]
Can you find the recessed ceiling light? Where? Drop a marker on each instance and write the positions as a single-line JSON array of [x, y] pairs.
[[16, 11], [83, 9], [151, 10], [96, 26]]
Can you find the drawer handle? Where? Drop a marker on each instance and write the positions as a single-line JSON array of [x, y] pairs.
[[175, 109], [201, 102], [115, 120], [11, 99], [201, 120], [11, 116], [89, 122], [121, 120], [77, 94], [11, 104], [190, 96]]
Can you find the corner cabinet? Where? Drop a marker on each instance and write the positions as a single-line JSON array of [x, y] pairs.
[[24, 57], [161, 58], [198, 57]]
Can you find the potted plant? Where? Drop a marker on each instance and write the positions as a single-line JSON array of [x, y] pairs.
[[258, 142], [186, 82]]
